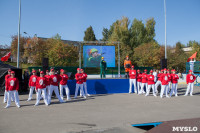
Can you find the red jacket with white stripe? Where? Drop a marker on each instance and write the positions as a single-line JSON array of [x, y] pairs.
[[79, 78], [64, 79], [165, 79], [144, 78], [54, 79], [12, 84], [150, 79], [84, 77], [174, 78], [41, 83], [139, 77], [169, 77], [190, 78], [32, 80], [6, 78], [132, 74]]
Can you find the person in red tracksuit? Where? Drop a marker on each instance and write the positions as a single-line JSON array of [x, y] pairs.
[[5, 93], [132, 79], [12, 87], [41, 88], [190, 78], [158, 81], [139, 80], [144, 82], [32, 84], [84, 83], [175, 78], [54, 80], [63, 84], [151, 83], [79, 82], [165, 82], [169, 80], [47, 76]]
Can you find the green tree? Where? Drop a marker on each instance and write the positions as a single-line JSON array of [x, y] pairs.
[[137, 33], [105, 34], [89, 34], [150, 30]]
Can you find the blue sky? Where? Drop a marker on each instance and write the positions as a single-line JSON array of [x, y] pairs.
[[70, 18]]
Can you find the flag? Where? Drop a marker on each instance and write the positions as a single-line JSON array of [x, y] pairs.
[[6, 57], [192, 57]]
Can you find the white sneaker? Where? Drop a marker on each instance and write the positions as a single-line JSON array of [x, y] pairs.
[[146, 95], [6, 107], [167, 96], [191, 95], [161, 97], [129, 92], [18, 106], [85, 97], [36, 105], [185, 95], [155, 95], [176, 95], [69, 99], [88, 94], [29, 100]]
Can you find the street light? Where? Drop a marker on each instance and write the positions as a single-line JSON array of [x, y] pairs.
[[18, 34], [165, 30]]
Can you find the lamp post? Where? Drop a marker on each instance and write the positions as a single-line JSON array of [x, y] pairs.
[[165, 30], [18, 34]]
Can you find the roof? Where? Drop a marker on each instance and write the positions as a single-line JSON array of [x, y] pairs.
[[2, 65]]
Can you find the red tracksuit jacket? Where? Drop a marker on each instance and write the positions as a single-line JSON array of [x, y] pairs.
[[174, 78], [12, 84], [132, 74], [79, 78], [84, 77], [47, 79], [159, 76], [139, 77], [54, 79], [64, 79], [32, 80], [144, 78], [41, 83], [150, 79], [6, 78], [190, 78], [165, 79]]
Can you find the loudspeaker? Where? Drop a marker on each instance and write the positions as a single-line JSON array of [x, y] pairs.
[[163, 63], [45, 64]]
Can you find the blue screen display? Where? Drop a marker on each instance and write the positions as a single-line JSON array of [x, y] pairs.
[[92, 55]]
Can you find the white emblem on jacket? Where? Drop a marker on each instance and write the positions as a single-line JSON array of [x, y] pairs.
[[41, 82], [12, 83], [54, 79], [166, 78], [191, 77], [34, 79]]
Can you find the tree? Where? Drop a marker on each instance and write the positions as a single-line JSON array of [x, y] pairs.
[[137, 33], [150, 30], [89, 34], [61, 54], [147, 54]]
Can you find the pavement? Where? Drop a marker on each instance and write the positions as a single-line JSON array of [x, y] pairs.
[[105, 113]]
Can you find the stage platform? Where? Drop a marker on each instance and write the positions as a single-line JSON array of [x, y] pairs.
[[103, 86]]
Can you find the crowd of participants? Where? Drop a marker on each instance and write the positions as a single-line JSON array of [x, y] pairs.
[[144, 82], [48, 82], [44, 85]]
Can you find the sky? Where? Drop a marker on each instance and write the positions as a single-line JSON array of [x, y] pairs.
[[70, 18]]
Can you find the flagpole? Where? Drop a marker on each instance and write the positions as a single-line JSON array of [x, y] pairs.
[[18, 34], [165, 30]]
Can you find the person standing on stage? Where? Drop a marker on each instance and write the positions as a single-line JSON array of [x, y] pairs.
[[132, 80], [63, 84], [5, 93], [144, 82], [84, 83], [139, 80], [41, 88], [127, 66], [54, 79], [79, 83], [151, 84], [12, 87], [158, 81], [190, 78], [103, 67], [47, 76], [32, 84], [175, 78], [165, 82]]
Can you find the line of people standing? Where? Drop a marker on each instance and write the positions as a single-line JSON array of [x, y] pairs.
[[168, 82], [44, 86]]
